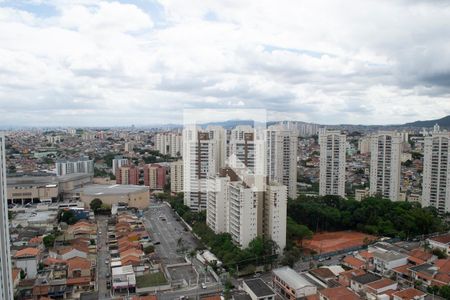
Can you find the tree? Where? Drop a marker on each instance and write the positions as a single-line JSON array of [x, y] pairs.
[[96, 204], [67, 216], [444, 291], [49, 240], [297, 232]]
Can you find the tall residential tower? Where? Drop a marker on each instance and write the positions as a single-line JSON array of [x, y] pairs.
[[385, 164], [6, 287], [332, 162], [436, 171]]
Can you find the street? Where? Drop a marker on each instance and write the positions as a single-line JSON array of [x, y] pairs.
[[102, 255]]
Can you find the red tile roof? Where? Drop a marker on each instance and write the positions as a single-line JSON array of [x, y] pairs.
[[79, 280], [409, 294], [27, 252], [353, 262], [384, 282], [444, 239], [339, 293]]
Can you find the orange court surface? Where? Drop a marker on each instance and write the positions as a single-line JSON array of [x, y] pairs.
[[326, 242]]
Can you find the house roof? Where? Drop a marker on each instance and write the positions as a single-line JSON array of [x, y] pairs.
[[366, 278], [408, 294], [384, 282], [353, 262], [420, 254], [389, 255], [403, 269], [78, 263], [292, 278], [259, 287], [443, 239], [339, 293], [79, 280], [365, 254], [27, 252], [352, 273], [323, 273]]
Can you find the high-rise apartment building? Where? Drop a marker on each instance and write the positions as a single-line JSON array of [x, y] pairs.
[[436, 171], [118, 162], [127, 175], [155, 176], [6, 283], [128, 147], [81, 165], [281, 150], [237, 205], [364, 145], [242, 150], [169, 143], [385, 164], [203, 155], [176, 176], [332, 162]]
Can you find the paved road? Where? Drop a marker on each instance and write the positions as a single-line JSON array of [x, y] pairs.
[[102, 254], [191, 293]]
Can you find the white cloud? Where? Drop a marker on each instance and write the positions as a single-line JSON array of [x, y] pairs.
[[106, 63]]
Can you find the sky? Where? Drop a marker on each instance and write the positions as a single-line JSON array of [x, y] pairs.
[[142, 62]]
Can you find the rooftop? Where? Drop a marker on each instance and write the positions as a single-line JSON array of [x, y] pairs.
[[292, 278], [366, 278], [259, 287], [444, 239], [116, 189]]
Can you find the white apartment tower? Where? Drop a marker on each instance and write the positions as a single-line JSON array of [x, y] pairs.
[[385, 164], [118, 162], [169, 143], [237, 206], [81, 165], [275, 212], [281, 146], [176, 176], [332, 162], [242, 148], [6, 286], [203, 155], [436, 171]]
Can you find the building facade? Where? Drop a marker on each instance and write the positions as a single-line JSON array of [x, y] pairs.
[[169, 143], [127, 175], [176, 176], [385, 164], [238, 205], [6, 283], [203, 155], [436, 170], [118, 162], [242, 148], [81, 165], [155, 176], [281, 149], [332, 162]]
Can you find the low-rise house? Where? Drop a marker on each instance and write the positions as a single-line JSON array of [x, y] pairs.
[[78, 267], [66, 253], [345, 277], [291, 285], [379, 287], [441, 242], [338, 293], [354, 263], [123, 278], [323, 274], [386, 261], [28, 260], [409, 294], [358, 283], [258, 289], [418, 257]]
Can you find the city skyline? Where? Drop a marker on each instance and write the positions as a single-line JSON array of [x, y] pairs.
[[103, 63]]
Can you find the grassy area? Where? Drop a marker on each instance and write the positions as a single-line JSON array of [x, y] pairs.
[[151, 279]]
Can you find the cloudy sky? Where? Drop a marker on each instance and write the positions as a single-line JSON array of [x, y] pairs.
[[84, 62]]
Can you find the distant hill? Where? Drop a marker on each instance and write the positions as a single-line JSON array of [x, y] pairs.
[[443, 122]]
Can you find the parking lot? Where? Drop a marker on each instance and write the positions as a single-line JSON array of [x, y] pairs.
[[170, 237]]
